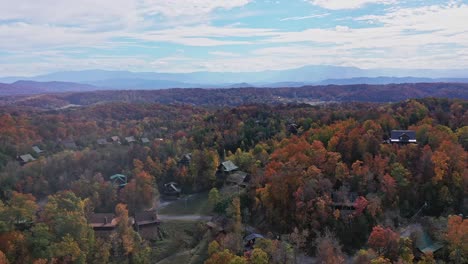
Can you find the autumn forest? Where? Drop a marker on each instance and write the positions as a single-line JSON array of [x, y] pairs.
[[319, 182]]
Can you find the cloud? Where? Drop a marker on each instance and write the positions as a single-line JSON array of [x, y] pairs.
[[178, 8], [205, 35], [41, 36], [304, 17], [110, 13], [224, 54], [347, 4], [59, 12]]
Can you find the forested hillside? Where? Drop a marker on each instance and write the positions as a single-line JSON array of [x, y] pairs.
[[324, 181], [240, 96]]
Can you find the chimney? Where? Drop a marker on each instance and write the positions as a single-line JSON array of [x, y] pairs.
[[105, 220]]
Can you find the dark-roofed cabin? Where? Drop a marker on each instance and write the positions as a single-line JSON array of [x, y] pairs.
[[228, 166], [249, 240], [145, 140], [238, 178], [185, 160], [23, 159], [403, 136], [37, 150], [146, 223], [102, 224], [172, 189]]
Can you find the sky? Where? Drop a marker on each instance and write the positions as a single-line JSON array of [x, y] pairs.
[[43, 36]]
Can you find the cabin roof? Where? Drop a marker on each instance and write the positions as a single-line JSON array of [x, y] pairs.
[[172, 187], [102, 220], [145, 140], [146, 217], [253, 236], [423, 241], [237, 177], [27, 158], [119, 179], [403, 136], [130, 139], [115, 138], [37, 149], [229, 166]]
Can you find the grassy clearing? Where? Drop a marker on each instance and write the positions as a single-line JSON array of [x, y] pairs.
[[184, 242], [195, 204]]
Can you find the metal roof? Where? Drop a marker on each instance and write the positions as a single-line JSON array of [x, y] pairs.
[[229, 166]]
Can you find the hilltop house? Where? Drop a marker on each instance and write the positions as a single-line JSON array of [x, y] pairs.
[[23, 159], [403, 136], [145, 140]]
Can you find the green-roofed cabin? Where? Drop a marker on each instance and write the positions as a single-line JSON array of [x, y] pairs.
[[119, 180]]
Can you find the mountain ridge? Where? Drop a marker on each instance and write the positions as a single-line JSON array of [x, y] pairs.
[[306, 74]]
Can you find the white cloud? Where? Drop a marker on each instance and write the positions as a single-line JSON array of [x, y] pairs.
[[67, 12], [347, 4], [224, 54], [109, 13], [178, 8], [304, 17], [432, 36]]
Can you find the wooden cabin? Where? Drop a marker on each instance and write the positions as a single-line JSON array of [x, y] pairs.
[[403, 136]]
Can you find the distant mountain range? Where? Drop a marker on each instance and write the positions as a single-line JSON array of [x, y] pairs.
[[89, 80], [32, 87]]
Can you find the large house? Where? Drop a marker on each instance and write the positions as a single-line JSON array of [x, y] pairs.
[[103, 224], [145, 223], [403, 136]]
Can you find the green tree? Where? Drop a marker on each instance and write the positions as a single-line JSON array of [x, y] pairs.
[[235, 214], [39, 241], [213, 198], [203, 167], [258, 256], [213, 247], [68, 249], [64, 214]]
